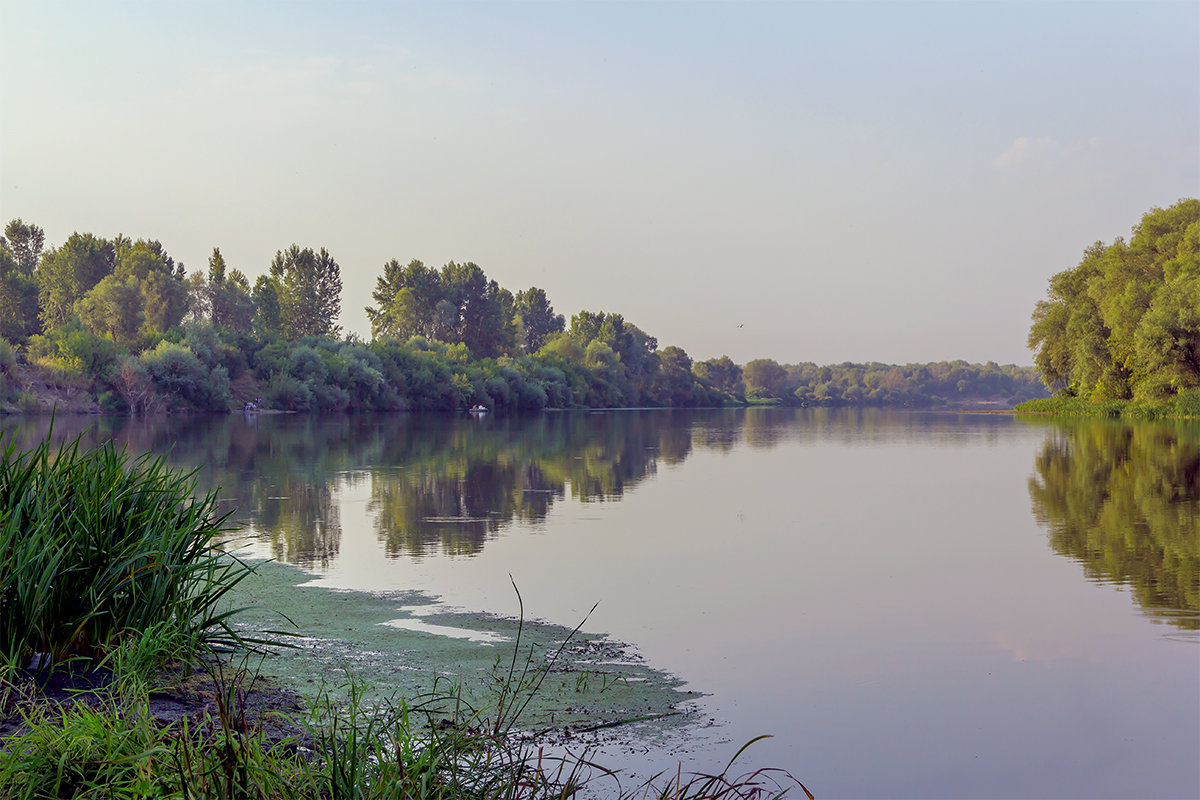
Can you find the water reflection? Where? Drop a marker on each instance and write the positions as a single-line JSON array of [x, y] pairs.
[[436, 483], [1123, 499]]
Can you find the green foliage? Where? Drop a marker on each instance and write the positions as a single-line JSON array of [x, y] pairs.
[[69, 272], [1187, 403], [1125, 323], [24, 242], [177, 372], [268, 314], [874, 384], [8, 359], [96, 546], [722, 374], [18, 297], [458, 305], [308, 286], [536, 320], [764, 377], [446, 339], [114, 308]]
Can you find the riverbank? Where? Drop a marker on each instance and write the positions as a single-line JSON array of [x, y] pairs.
[[365, 695], [1185, 405]]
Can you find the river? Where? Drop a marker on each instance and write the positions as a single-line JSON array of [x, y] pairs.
[[911, 604]]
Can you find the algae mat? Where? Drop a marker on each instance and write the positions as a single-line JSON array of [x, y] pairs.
[[403, 645]]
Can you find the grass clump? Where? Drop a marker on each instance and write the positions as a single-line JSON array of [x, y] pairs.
[[97, 547], [1184, 404]]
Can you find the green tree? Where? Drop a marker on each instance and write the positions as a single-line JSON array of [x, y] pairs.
[[677, 381], [67, 273], [225, 298], [536, 320], [114, 307], [18, 300], [1167, 340], [479, 318], [406, 297], [268, 315], [24, 242], [1118, 324], [764, 377], [309, 289], [721, 373], [458, 305]]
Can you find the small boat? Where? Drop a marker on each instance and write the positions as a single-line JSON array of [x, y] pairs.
[[477, 409]]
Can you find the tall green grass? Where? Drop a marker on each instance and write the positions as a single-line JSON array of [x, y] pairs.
[[97, 547], [424, 750], [1185, 404]]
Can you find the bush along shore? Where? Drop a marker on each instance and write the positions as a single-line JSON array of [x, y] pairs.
[[124, 671], [202, 369], [1185, 404]]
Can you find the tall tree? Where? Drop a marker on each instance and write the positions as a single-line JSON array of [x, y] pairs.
[[721, 373], [309, 290], [536, 319], [67, 273], [458, 305], [114, 307], [480, 320], [676, 381], [1120, 324], [25, 242], [406, 298], [18, 300], [225, 296], [765, 377], [268, 318]]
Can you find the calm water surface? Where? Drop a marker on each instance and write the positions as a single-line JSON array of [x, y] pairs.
[[915, 605]]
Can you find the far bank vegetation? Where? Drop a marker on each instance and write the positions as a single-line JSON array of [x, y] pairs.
[[117, 325]]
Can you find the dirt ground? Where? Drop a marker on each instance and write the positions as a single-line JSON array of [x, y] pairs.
[[198, 697]]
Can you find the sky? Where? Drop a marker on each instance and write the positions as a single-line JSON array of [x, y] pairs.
[[803, 181]]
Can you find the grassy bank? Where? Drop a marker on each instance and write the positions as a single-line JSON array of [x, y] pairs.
[[1185, 404], [125, 673]]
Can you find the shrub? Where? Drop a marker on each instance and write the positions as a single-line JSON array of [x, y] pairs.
[[8, 358], [96, 546], [175, 370], [1187, 403], [286, 392]]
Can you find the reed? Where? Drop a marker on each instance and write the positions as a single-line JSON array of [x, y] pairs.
[[96, 547]]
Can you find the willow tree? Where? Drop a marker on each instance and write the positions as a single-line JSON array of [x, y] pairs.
[[1125, 322]]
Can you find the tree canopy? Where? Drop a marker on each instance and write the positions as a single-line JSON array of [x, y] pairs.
[[1125, 322]]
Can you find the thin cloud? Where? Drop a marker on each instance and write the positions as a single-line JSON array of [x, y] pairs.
[[1026, 149], [1022, 149]]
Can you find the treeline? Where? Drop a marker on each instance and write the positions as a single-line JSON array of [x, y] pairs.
[[1124, 325], [122, 322], [911, 385]]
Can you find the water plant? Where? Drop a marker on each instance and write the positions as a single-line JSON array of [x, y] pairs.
[[97, 546]]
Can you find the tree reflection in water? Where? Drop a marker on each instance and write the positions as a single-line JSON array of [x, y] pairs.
[[1123, 499]]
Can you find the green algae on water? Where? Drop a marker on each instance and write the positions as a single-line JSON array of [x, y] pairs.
[[402, 645]]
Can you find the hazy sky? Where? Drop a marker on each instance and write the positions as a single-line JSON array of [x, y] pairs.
[[796, 180]]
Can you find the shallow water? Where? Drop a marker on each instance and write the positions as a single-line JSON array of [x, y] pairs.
[[914, 605]]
